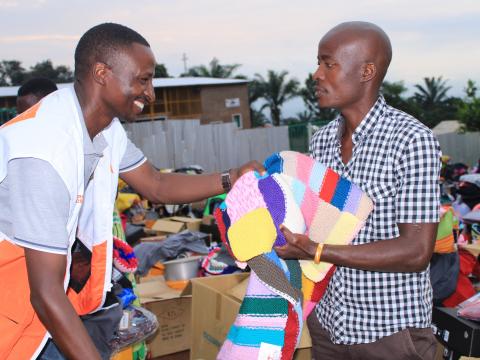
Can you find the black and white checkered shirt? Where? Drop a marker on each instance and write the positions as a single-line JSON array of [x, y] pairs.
[[396, 161]]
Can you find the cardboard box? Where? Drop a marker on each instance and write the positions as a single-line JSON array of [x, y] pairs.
[[173, 311], [210, 324], [190, 223], [175, 224]]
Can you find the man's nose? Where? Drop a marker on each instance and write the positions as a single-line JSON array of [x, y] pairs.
[[319, 74], [150, 92]]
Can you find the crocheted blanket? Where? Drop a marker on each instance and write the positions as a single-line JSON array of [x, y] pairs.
[[308, 198]]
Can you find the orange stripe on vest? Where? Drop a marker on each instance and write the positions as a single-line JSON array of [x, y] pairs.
[[27, 114], [91, 296]]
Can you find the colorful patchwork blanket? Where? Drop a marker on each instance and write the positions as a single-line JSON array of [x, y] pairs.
[[307, 198]]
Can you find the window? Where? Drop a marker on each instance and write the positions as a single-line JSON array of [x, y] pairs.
[[237, 118]]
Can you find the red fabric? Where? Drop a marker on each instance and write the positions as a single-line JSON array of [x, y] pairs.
[[223, 230], [320, 287], [329, 185], [291, 332], [124, 219], [467, 261], [463, 291]]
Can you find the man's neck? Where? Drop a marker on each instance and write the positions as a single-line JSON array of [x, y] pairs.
[[94, 114], [353, 115]]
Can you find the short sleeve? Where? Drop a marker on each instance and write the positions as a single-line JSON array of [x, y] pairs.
[[40, 205], [132, 158], [418, 195]]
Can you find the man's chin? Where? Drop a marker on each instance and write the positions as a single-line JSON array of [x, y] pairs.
[[130, 119]]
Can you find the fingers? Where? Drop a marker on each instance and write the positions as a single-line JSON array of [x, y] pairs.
[[289, 236]]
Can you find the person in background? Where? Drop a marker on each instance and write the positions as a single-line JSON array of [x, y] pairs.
[[32, 91], [378, 303]]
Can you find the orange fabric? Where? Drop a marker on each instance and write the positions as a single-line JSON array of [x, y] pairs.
[[91, 296], [445, 245], [27, 114], [21, 330]]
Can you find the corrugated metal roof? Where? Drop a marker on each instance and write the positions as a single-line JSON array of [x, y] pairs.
[[158, 83], [447, 127]]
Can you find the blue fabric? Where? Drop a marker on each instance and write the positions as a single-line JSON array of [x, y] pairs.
[[298, 189], [274, 164], [253, 337], [341, 193], [316, 177]]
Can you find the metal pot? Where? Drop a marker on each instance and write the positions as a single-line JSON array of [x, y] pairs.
[[182, 269]]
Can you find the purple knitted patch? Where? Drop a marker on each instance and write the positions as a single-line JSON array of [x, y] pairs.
[[353, 199], [273, 196]]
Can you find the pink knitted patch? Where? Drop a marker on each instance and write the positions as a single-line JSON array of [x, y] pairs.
[[261, 321], [304, 168], [309, 205], [230, 351], [244, 197]]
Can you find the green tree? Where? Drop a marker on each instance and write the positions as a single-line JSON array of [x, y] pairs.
[[469, 109], [45, 69], [255, 92], [11, 73], [393, 93], [214, 70], [276, 89], [161, 71], [432, 101], [308, 94]]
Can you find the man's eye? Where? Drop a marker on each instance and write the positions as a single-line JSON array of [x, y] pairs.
[[329, 65]]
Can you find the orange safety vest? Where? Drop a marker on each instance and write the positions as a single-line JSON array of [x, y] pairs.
[[47, 130]]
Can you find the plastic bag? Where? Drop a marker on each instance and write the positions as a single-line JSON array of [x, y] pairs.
[[470, 308], [137, 325]]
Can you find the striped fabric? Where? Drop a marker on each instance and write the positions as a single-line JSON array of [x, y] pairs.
[[307, 198]]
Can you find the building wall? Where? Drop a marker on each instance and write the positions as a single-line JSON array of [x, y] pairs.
[[214, 108]]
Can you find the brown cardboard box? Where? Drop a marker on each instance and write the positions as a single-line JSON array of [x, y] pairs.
[[173, 311], [215, 304], [190, 223], [165, 226], [175, 224]]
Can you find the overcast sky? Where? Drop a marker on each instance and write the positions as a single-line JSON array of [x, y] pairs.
[[429, 37]]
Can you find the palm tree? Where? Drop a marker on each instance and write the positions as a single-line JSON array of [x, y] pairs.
[[308, 93], [276, 90], [432, 101], [214, 70], [433, 93]]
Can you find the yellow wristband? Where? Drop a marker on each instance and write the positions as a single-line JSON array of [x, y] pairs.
[[318, 254]]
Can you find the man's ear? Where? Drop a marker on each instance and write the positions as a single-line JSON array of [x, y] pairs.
[[100, 71], [369, 71]]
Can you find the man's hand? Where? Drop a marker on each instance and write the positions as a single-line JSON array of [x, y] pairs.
[[298, 246], [250, 166]]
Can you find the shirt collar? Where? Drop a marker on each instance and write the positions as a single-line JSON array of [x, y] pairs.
[[367, 124], [90, 147]]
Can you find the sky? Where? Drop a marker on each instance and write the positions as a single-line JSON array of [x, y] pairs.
[[429, 37]]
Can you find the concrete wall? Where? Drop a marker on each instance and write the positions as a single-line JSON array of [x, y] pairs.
[[215, 147], [464, 148], [213, 104]]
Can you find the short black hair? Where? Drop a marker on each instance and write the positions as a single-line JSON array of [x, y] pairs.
[[101, 42], [39, 87]]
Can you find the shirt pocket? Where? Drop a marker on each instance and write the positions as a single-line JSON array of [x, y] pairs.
[[379, 191]]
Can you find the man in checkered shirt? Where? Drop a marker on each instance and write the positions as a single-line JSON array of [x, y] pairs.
[[379, 301]]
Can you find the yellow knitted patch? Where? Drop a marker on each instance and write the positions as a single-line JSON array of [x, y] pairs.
[[253, 234], [341, 234]]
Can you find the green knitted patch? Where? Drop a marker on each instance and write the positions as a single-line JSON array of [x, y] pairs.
[[263, 306]]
